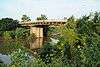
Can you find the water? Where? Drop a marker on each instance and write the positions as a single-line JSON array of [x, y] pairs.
[[5, 59]]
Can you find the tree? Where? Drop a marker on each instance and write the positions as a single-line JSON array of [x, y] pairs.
[[25, 18], [22, 36], [42, 17], [85, 25], [96, 20], [7, 24], [71, 23], [89, 24]]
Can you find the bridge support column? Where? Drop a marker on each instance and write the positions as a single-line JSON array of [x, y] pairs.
[[37, 43], [38, 31]]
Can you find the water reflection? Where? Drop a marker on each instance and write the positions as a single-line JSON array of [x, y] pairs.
[[37, 43]]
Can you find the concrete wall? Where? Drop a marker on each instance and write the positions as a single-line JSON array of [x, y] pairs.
[[37, 43], [37, 31]]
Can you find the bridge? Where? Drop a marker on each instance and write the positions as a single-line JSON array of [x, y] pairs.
[[37, 26]]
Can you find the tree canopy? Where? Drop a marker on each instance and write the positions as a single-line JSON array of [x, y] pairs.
[[25, 18], [42, 17], [7, 24]]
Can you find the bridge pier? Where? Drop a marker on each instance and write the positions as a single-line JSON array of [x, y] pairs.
[[38, 31], [37, 43]]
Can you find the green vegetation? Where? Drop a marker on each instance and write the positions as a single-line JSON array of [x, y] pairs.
[[1, 64], [78, 46], [25, 18], [20, 58], [42, 17]]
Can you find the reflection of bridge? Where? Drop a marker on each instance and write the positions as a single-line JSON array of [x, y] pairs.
[[39, 28]]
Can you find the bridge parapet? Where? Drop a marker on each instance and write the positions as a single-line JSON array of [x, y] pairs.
[[43, 22]]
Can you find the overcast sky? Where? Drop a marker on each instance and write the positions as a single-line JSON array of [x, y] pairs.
[[52, 8]]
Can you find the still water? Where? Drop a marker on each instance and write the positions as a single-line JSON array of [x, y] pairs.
[[5, 59]]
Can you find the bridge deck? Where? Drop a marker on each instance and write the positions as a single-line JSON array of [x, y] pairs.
[[43, 22]]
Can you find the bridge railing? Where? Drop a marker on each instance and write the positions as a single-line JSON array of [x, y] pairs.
[[44, 22]]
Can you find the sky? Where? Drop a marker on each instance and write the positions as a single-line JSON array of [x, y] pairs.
[[53, 9]]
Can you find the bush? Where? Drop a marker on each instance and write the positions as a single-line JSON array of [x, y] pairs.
[[20, 58]]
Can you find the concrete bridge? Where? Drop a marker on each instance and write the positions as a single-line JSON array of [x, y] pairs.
[[37, 26]]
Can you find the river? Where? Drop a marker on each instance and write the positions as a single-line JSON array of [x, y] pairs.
[[5, 59]]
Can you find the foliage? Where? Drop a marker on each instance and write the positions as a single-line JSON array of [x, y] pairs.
[[13, 40], [20, 58], [7, 24], [55, 63], [96, 20], [6, 38], [85, 25], [48, 52], [23, 36], [21, 33], [83, 39], [2, 64], [71, 22], [42, 17], [8, 48], [25, 18], [78, 46]]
